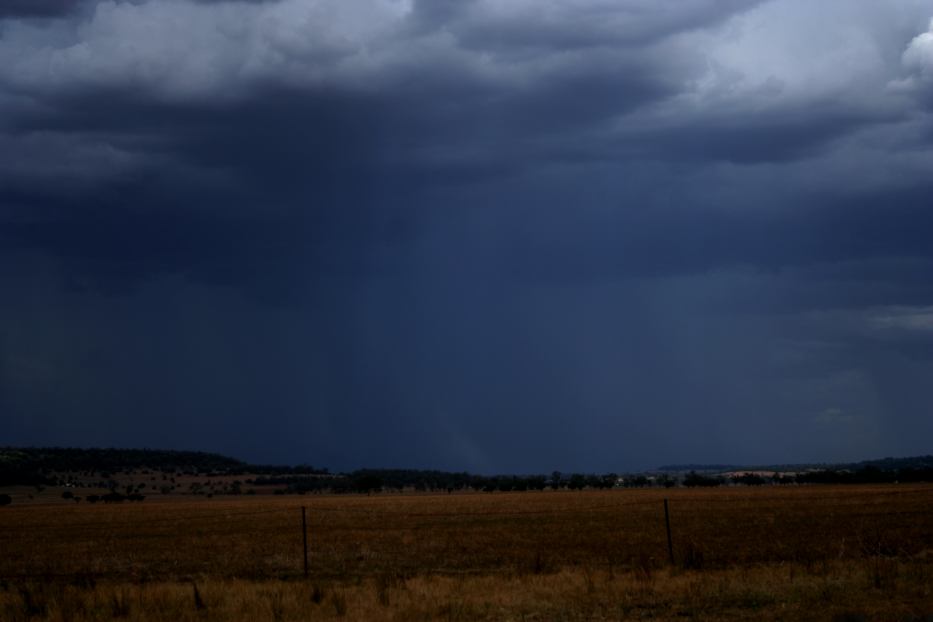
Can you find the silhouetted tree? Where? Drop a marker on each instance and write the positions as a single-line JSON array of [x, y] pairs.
[[693, 479], [367, 483]]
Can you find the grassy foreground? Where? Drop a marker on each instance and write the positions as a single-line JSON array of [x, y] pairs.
[[890, 590], [820, 553]]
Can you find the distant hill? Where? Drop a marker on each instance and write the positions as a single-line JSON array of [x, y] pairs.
[[31, 465], [41, 466], [884, 464], [717, 468], [34, 465], [891, 464]]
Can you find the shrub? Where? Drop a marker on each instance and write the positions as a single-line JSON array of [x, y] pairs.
[[695, 479]]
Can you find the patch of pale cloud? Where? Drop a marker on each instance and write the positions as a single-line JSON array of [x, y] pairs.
[[783, 82], [919, 319], [783, 55], [511, 27], [917, 59], [919, 54], [179, 49], [183, 50]]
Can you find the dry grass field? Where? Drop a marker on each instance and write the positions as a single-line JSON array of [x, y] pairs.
[[782, 553]]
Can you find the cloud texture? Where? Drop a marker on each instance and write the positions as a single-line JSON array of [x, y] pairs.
[[493, 235]]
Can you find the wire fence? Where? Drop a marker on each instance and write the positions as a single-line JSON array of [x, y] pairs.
[[470, 533]]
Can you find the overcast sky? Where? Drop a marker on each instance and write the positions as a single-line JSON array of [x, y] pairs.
[[486, 235]]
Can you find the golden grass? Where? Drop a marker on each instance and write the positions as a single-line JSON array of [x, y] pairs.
[[769, 553], [836, 591]]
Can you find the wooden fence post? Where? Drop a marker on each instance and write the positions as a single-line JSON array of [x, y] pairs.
[[304, 535], [667, 523]]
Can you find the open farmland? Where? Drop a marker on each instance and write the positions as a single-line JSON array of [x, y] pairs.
[[774, 552]]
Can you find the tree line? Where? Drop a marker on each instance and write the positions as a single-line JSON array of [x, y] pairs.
[[42, 466], [865, 475], [372, 480], [46, 466]]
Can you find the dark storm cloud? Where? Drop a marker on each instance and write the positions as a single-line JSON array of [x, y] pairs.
[[782, 136], [462, 226], [43, 8], [336, 150], [255, 155], [53, 8], [215, 203], [674, 240]]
